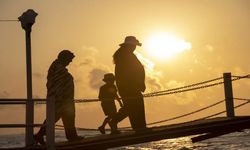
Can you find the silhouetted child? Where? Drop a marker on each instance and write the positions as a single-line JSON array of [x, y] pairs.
[[107, 96]]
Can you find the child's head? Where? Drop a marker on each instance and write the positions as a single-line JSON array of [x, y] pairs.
[[109, 78]]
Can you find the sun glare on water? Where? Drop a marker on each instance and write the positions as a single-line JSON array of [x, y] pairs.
[[165, 45]]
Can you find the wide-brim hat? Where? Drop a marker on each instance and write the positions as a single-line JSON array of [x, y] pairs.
[[109, 77], [131, 40]]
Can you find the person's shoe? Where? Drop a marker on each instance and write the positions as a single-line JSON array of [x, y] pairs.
[[101, 129], [39, 140], [77, 138], [114, 132]]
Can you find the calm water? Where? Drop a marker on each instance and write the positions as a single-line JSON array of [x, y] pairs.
[[233, 141]]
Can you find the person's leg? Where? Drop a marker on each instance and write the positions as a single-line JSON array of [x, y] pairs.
[[106, 120], [131, 113], [42, 130], [137, 113], [102, 127], [116, 118], [68, 119], [40, 134], [39, 137]]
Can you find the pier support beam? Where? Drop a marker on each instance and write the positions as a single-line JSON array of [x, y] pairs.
[[228, 94]]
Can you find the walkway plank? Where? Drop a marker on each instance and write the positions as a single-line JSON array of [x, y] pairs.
[[223, 125]]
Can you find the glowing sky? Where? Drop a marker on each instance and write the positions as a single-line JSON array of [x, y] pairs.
[[218, 33]]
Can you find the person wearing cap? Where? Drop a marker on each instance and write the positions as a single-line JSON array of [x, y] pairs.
[[107, 96], [60, 87], [130, 81]]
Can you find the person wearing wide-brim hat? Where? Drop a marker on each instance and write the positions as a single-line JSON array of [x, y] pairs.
[[131, 40], [107, 96], [130, 81]]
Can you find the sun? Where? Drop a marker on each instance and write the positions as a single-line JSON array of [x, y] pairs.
[[165, 45]]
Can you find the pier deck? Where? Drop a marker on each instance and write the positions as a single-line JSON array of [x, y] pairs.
[[210, 127]]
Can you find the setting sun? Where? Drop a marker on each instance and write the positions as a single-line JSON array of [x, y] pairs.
[[165, 45]]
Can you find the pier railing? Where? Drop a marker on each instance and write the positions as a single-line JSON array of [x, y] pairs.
[[50, 105]]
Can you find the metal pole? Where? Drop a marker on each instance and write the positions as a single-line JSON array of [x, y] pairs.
[[30, 103], [27, 20], [228, 94], [50, 123]]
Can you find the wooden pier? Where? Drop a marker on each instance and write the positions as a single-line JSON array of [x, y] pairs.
[[208, 128]]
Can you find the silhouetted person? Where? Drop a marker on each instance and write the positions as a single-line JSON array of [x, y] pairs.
[[108, 95], [130, 78], [60, 86]]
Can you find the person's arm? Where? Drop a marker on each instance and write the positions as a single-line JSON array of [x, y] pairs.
[[119, 100], [100, 95]]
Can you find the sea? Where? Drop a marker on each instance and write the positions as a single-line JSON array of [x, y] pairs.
[[232, 141]]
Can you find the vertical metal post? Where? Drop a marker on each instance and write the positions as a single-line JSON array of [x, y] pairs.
[[29, 103], [228, 94], [27, 20], [50, 123]]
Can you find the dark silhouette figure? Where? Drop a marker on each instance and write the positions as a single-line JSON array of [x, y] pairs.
[[60, 85], [107, 95], [130, 81]]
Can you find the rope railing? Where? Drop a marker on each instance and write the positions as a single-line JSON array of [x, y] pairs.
[[187, 114], [7, 20], [185, 90], [181, 116], [190, 87], [166, 120], [241, 77], [183, 87], [78, 128], [219, 113], [178, 89], [161, 93], [169, 91], [184, 115], [242, 99], [43, 101]]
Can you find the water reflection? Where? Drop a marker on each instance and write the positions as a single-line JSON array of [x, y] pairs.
[[233, 141]]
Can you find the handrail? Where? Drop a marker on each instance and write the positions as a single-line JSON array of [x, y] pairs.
[[20, 125], [146, 95], [51, 125], [17, 101], [21, 99], [219, 113]]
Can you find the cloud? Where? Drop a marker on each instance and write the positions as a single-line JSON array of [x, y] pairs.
[[180, 98], [88, 72], [153, 83], [209, 48], [152, 76], [85, 57], [238, 71], [156, 82], [95, 78], [38, 75], [87, 61]]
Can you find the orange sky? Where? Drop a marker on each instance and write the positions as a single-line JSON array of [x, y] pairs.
[[217, 30]]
